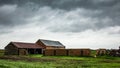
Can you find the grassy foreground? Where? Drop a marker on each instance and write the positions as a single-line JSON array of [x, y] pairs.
[[38, 61]]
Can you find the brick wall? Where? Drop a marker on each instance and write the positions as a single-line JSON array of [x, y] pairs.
[[67, 52], [74, 52], [49, 52], [61, 52]]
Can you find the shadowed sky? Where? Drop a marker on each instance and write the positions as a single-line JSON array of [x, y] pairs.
[[76, 23]]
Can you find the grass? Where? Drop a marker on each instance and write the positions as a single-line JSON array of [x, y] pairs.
[[22, 64], [61, 62], [39, 61], [35, 56]]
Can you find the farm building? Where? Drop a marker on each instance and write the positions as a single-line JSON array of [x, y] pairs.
[[115, 52], [45, 47], [21, 48], [101, 52], [49, 44]]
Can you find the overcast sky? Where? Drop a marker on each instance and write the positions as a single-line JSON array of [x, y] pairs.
[[75, 23]]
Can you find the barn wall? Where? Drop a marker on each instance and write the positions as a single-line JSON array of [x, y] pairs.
[[41, 44], [49, 52], [10, 49], [23, 52], [86, 52], [67, 52], [79, 52], [61, 52], [74, 52]]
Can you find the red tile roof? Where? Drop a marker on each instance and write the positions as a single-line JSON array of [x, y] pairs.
[[25, 45]]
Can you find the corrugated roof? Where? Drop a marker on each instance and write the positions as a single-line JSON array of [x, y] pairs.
[[26, 45], [51, 43]]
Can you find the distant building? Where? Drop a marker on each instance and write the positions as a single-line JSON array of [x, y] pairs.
[[21, 48], [115, 52], [101, 52], [49, 44]]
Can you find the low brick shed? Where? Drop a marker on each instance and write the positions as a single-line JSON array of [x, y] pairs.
[[67, 52], [21, 48]]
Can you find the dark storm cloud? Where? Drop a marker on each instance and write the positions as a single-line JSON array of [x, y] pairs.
[[105, 13], [12, 15], [66, 4]]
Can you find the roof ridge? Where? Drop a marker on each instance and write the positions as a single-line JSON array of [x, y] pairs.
[[23, 42], [25, 45], [48, 40]]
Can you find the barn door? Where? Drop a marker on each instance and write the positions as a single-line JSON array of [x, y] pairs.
[[81, 52]]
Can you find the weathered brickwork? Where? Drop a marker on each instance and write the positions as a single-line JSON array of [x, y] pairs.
[[49, 52], [67, 52]]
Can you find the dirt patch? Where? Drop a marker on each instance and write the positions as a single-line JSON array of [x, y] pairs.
[[41, 59], [110, 61], [17, 58]]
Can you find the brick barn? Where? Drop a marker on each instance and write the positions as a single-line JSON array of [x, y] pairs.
[[21, 48], [45, 47], [49, 44]]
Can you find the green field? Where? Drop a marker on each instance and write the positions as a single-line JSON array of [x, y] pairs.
[[39, 61]]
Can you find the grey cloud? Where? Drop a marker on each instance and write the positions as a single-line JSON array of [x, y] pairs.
[[11, 15], [66, 4], [31, 19], [83, 19], [78, 27], [5, 32], [5, 14], [102, 13]]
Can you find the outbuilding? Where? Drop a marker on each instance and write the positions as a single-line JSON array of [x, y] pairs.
[[22, 48]]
